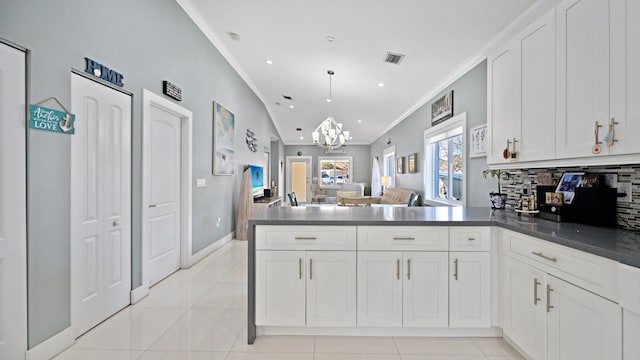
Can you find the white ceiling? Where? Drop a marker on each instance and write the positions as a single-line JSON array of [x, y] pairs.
[[436, 36]]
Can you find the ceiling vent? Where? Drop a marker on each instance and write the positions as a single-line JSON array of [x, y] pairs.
[[287, 97], [392, 58]]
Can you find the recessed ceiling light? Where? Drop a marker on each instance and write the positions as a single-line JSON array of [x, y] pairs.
[[328, 100], [360, 121], [269, 62], [287, 97], [278, 104], [301, 137], [298, 129], [381, 84], [330, 38], [234, 36], [290, 106]]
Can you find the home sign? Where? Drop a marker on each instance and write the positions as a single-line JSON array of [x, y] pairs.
[[103, 72], [43, 118]]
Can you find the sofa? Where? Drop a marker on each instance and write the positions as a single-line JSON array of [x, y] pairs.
[[396, 196], [349, 190]]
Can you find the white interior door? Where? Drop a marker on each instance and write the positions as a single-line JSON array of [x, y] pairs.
[[299, 177], [166, 187], [13, 223], [100, 202]]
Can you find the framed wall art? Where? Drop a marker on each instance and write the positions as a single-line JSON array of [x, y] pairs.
[[478, 141], [223, 140], [413, 163], [442, 109], [400, 165]]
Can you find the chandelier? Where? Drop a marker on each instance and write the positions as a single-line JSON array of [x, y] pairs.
[[329, 134]]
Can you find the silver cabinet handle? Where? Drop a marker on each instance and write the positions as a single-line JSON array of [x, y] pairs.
[[471, 239], [455, 269], [535, 291], [540, 254], [305, 238], [310, 269], [398, 269], [408, 269], [549, 290], [404, 238], [300, 268], [152, 205], [115, 223]]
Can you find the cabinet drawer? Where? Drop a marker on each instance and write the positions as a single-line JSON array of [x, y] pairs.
[[591, 272], [428, 238], [629, 288], [470, 238], [278, 237]]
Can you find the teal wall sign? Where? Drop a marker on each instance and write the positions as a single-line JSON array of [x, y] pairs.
[[43, 118]]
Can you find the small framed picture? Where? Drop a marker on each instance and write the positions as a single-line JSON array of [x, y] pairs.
[[413, 163], [442, 109], [568, 184], [400, 165], [478, 141]]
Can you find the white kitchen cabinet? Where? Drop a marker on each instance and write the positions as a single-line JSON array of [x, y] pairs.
[[630, 331], [425, 289], [280, 288], [470, 289], [501, 102], [580, 324], [625, 75], [379, 288], [582, 62], [535, 85], [524, 312], [331, 288], [629, 284], [313, 288]]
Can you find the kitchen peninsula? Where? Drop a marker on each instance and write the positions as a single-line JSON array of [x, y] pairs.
[[440, 271]]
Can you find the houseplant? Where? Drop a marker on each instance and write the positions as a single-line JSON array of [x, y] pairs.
[[498, 199]]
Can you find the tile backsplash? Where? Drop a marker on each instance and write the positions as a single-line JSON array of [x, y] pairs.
[[628, 213]]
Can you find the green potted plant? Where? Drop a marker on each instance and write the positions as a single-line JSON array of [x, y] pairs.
[[498, 199]]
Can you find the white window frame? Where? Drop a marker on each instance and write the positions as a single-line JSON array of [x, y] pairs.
[[334, 159], [389, 167], [452, 127]]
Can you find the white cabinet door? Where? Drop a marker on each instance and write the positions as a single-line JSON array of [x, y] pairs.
[[470, 289], [379, 288], [425, 289], [501, 103], [580, 324], [630, 331], [280, 288], [331, 288], [535, 80], [524, 315], [582, 63], [625, 75]]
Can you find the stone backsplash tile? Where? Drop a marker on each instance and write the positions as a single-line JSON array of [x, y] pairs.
[[628, 214]]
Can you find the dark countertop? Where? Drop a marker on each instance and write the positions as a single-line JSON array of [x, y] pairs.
[[611, 243]]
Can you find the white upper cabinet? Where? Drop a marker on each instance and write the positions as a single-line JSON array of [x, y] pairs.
[[535, 83], [582, 55], [501, 105], [625, 75]]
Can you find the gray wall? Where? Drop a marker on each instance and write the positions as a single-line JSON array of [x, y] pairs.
[[148, 41], [277, 170], [360, 153], [470, 96]]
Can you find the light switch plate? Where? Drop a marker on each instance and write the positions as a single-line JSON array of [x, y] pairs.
[[624, 188], [201, 182]]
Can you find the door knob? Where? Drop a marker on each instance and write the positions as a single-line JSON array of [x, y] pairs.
[[116, 223]]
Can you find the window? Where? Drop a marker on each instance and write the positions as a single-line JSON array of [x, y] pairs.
[[445, 162], [334, 171], [389, 164], [266, 170]]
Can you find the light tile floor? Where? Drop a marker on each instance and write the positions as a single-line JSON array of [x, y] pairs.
[[200, 313]]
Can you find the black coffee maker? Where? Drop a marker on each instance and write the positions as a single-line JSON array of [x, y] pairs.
[[591, 206]]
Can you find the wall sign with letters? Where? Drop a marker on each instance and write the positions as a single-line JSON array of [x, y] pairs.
[[103, 72], [43, 118]]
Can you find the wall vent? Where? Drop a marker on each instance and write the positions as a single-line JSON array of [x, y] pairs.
[[393, 58], [287, 97], [335, 151]]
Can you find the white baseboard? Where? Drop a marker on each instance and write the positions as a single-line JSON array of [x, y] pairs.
[[139, 293], [210, 249], [356, 331], [53, 346]]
